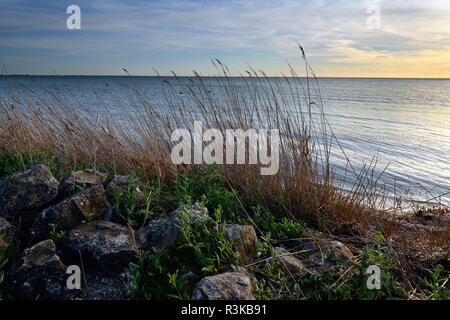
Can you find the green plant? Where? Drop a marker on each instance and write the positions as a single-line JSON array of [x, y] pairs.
[[204, 245], [438, 288], [273, 283], [10, 163], [7, 258], [179, 285], [279, 228], [154, 276], [56, 235], [207, 183], [381, 255], [87, 216], [352, 283], [129, 210], [153, 200], [165, 273], [254, 196], [17, 161]]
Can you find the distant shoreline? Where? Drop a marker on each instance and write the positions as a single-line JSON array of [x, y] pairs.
[[205, 76]]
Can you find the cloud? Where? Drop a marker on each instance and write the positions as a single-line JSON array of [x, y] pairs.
[[331, 31]]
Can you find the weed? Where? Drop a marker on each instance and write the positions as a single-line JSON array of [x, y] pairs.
[[438, 288], [352, 284], [273, 283], [7, 258], [208, 183], [55, 235], [205, 246], [279, 228], [151, 277], [203, 251], [14, 162], [129, 210]]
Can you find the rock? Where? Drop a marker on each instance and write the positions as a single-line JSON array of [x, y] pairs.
[[237, 285], [7, 231], [117, 182], [38, 274], [163, 232], [243, 240], [288, 262], [3, 245], [110, 215], [191, 280], [340, 250], [101, 287], [87, 205], [123, 182], [103, 244], [82, 179], [329, 251], [28, 189]]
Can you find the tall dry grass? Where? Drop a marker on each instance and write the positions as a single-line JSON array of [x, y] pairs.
[[42, 120]]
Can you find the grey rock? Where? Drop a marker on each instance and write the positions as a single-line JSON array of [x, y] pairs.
[[87, 205], [287, 262], [328, 251], [163, 232], [82, 179], [28, 189], [103, 287], [119, 182], [7, 231], [237, 285], [103, 244], [306, 247], [243, 240], [38, 274], [340, 250]]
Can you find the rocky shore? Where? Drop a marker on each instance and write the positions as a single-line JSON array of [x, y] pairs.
[[49, 223]]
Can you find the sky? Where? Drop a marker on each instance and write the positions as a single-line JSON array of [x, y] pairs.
[[366, 38]]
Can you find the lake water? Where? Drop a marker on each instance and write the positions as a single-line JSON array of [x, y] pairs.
[[404, 122]]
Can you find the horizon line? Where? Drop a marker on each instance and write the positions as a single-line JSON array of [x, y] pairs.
[[215, 76]]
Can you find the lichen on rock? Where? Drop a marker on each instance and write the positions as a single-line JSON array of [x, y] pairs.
[[40, 273], [243, 240], [29, 189], [287, 262], [87, 205], [7, 231], [106, 245]]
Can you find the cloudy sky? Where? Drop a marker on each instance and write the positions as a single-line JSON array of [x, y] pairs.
[[341, 38]]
